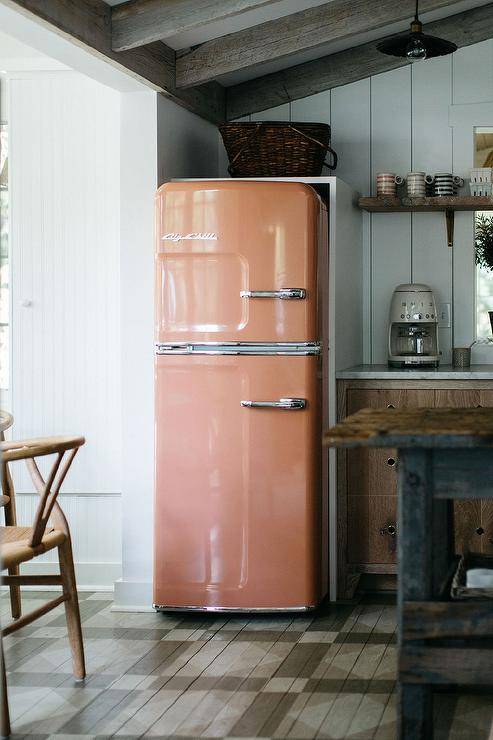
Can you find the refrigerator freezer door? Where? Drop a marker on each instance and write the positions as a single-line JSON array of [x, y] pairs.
[[236, 261], [238, 491]]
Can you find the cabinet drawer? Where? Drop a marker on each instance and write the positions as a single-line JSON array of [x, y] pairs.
[[372, 529], [370, 471], [389, 398]]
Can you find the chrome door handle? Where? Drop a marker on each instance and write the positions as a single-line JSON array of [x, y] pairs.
[[284, 294], [290, 404]]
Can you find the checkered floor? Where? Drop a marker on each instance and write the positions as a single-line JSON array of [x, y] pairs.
[[327, 675]]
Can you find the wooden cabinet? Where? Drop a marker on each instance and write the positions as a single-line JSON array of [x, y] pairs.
[[367, 481], [372, 482]]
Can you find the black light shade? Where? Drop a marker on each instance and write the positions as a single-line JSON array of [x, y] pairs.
[[398, 46], [415, 44]]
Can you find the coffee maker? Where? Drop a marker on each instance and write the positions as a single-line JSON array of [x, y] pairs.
[[413, 327]]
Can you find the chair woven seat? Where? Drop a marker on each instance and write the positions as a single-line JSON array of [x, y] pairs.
[[15, 548]]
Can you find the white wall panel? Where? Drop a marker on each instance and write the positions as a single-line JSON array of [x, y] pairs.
[[65, 256], [350, 119], [139, 175], [315, 108], [64, 179], [279, 113], [187, 146], [94, 521], [351, 123], [432, 151], [473, 73], [391, 253]]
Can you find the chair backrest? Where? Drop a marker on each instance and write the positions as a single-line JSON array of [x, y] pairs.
[[6, 421], [64, 449]]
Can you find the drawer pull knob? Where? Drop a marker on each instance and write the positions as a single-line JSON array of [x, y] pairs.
[[390, 406], [480, 530], [391, 530], [391, 462]]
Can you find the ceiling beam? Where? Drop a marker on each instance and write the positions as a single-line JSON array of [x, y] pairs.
[[283, 37], [140, 22], [88, 24], [350, 65]]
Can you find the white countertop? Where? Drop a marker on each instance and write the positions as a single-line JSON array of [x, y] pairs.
[[444, 372]]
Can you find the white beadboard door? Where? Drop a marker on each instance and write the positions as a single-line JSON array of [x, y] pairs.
[[65, 190]]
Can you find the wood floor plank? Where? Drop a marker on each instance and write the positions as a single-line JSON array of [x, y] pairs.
[[473, 718], [221, 725], [336, 723], [172, 718], [311, 717], [387, 727], [114, 720], [149, 713], [368, 715], [197, 721], [55, 710], [256, 715]]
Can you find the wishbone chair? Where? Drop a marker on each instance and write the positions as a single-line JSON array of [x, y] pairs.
[[49, 530]]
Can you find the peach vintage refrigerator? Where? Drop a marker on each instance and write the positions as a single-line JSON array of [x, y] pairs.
[[241, 276]]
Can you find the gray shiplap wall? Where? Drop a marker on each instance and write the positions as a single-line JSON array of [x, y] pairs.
[[398, 121]]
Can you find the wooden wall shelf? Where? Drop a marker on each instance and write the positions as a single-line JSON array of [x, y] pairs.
[[429, 205], [426, 205]]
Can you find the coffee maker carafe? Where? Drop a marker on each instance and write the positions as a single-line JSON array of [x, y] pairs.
[[413, 327]]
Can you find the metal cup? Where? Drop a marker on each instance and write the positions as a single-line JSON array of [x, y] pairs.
[[461, 357]]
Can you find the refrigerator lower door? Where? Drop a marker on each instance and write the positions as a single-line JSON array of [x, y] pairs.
[[238, 485]]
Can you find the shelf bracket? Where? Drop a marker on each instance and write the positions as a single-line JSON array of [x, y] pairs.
[[449, 221]]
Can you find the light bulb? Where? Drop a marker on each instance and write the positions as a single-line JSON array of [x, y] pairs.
[[416, 50]]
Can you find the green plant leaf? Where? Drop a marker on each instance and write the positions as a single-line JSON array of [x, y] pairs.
[[483, 241]]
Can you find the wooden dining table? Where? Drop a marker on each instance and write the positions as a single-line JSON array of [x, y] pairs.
[[442, 455]]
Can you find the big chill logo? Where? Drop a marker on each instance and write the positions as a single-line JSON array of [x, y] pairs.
[[210, 237]]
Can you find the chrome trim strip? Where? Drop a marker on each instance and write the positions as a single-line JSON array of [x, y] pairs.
[[234, 610], [237, 348]]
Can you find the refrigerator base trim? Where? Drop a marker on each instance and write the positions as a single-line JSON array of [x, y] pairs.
[[235, 610]]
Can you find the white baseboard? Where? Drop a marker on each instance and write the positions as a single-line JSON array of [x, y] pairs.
[[132, 596], [90, 576]]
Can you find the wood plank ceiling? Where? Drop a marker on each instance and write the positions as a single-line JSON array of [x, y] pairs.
[[224, 59]]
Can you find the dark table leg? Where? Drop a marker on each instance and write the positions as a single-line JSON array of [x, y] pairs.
[[415, 576]]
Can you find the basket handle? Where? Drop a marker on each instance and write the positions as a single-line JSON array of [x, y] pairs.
[[256, 130], [322, 146], [334, 159]]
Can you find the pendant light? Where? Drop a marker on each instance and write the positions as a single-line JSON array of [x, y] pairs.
[[416, 45]]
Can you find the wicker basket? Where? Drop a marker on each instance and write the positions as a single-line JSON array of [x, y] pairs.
[[277, 149], [459, 590]]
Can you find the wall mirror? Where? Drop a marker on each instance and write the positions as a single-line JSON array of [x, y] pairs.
[[483, 237]]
